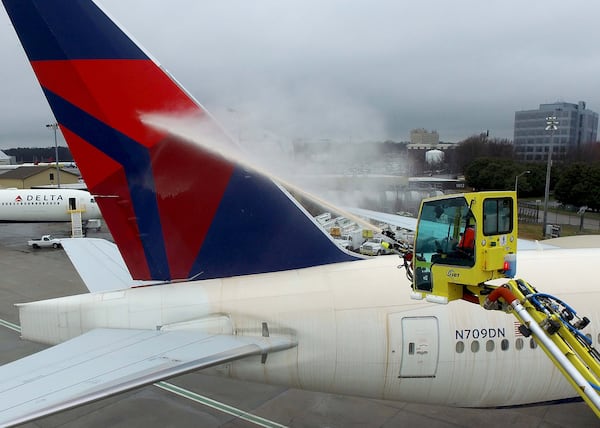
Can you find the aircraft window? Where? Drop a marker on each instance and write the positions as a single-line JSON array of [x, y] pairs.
[[460, 347], [532, 343], [475, 346], [519, 344], [497, 216], [505, 344], [490, 345]]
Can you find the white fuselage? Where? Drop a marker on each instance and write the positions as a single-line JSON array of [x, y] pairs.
[[357, 330], [45, 205]]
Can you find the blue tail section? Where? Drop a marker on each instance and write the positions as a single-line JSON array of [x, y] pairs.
[[176, 210]]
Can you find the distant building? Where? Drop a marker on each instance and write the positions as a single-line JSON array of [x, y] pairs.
[[426, 153], [446, 184], [26, 177], [424, 138], [576, 126]]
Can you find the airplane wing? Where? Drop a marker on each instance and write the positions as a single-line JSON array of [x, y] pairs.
[[410, 223], [99, 264], [104, 362]]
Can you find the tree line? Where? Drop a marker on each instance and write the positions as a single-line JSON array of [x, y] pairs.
[[39, 154], [489, 164]]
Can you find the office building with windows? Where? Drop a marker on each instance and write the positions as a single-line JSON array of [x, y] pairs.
[[576, 126]]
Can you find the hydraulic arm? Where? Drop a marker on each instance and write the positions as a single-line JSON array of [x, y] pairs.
[[464, 241], [556, 328]]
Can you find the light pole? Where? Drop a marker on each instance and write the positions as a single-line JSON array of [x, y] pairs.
[[54, 127], [517, 179], [551, 125]]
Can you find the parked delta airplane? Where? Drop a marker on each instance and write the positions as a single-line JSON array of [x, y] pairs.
[[307, 314], [45, 205]]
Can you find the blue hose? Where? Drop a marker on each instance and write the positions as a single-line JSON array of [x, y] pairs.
[[573, 330]]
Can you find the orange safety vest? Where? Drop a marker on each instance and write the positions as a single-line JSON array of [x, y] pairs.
[[467, 240]]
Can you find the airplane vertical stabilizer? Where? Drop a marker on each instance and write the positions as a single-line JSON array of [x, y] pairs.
[[176, 209]]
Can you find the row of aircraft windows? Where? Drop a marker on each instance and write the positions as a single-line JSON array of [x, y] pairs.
[[490, 345], [30, 203]]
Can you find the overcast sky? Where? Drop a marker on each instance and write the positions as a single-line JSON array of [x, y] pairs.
[[343, 69]]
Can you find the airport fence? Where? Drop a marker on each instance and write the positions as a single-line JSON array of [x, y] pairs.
[[533, 212]]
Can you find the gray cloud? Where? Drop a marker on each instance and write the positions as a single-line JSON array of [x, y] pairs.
[[346, 70]]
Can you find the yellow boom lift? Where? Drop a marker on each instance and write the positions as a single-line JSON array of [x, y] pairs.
[[464, 241]]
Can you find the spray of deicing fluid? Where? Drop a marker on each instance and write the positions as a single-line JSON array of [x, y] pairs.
[[206, 135]]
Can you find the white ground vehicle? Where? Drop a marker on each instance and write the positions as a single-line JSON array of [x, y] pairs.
[[373, 247], [93, 224], [46, 241], [351, 240]]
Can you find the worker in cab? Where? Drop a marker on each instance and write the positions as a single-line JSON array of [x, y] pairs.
[[466, 244], [440, 214]]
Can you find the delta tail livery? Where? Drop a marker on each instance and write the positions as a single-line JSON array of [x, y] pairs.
[[45, 205], [209, 230]]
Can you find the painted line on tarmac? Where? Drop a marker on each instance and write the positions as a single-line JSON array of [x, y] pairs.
[[257, 420], [209, 402]]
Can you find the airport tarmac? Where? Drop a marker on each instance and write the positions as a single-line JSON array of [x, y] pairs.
[[33, 275]]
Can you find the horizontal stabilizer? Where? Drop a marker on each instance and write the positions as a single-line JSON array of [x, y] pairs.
[[99, 264], [107, 361]]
